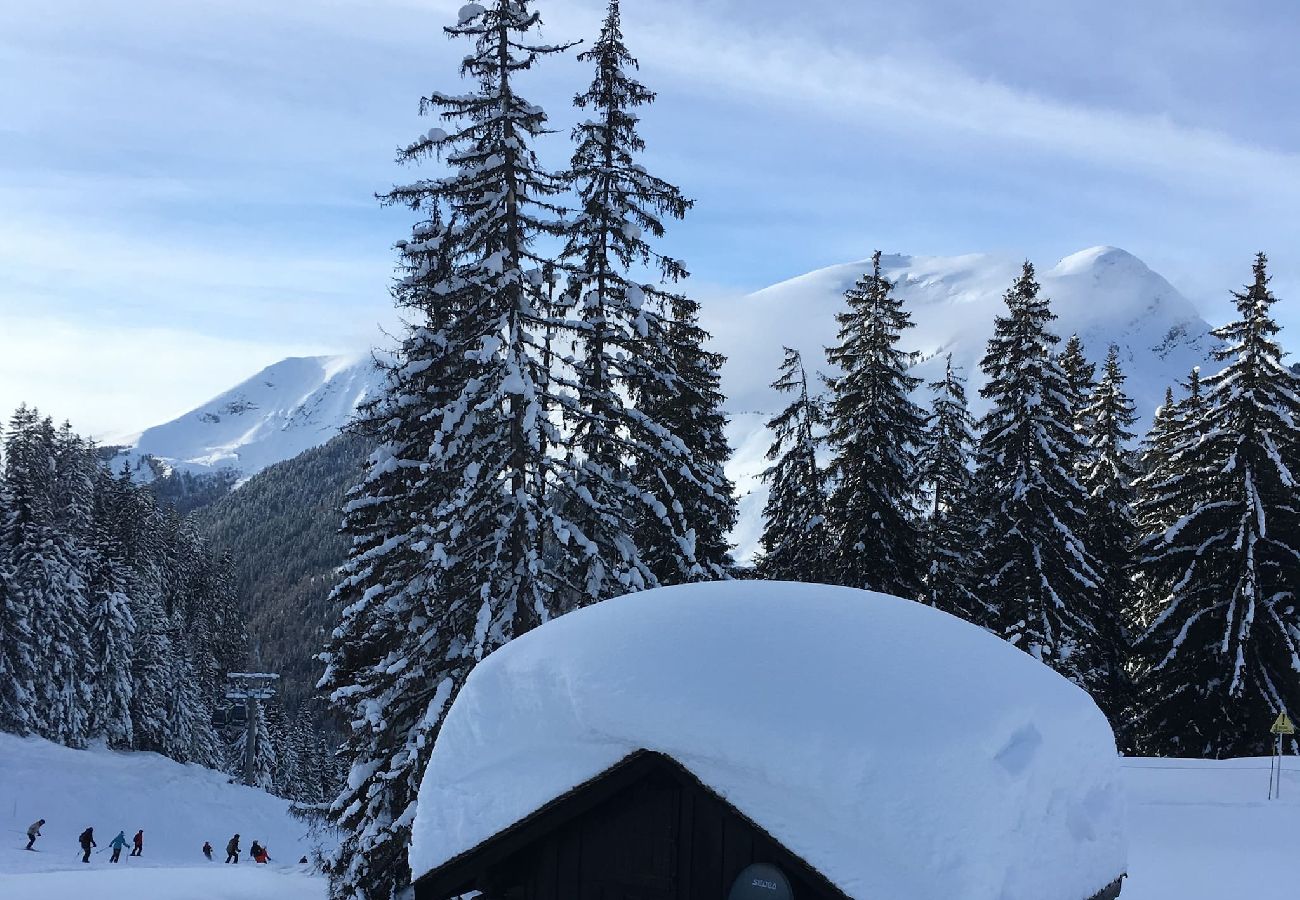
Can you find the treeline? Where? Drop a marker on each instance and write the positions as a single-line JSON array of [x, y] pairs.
[[1160, 578], [119, 622], [116, 624]]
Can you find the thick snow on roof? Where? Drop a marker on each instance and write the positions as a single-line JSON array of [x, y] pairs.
[[900, 751]]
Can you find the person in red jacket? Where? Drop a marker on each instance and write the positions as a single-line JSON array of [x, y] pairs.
[[137, 843]]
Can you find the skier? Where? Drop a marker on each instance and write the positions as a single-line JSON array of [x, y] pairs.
[[232, 850], [207, 850], [137, 848], [117, 844], [255, 851], [260, 854], [87, 840], [33, 832]]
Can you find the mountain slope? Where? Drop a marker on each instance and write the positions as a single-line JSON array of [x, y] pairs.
[[1103, 294], [289, 407], [282, 531]]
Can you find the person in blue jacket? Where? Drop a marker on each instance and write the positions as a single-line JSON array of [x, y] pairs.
[[117, 844]]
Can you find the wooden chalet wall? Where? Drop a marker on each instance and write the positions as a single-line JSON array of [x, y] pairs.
[[660, 836]]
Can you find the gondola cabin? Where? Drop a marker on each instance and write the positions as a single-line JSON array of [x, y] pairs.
[[766, 741]]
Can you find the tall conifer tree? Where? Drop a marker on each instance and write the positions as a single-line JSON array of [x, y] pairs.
[[950, 526], [1222, 656], [876, 432], [1036, 569], [620, 335], [685, 398], [1108, 477], [796, 542], [452, 525], [1081, 379]]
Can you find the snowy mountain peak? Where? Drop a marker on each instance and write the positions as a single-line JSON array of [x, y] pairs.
[[1103, 256], [291, 406], [1104, 294]]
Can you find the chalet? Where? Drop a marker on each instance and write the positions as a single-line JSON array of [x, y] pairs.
[[740, 741]]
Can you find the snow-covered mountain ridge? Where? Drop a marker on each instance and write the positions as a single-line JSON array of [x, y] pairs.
[[1103, 294], [287, 408]]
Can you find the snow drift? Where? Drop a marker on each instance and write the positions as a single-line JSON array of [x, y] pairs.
[[900, 751]]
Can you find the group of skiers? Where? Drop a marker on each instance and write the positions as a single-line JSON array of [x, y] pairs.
[[257, 851], [87, 841]]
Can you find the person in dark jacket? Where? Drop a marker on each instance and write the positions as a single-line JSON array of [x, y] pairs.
[[207, 850], [33, 832], [232, 850], [117, 844], [137, 843], [87, 840]]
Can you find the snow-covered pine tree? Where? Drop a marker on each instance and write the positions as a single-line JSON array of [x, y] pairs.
[[876, 431], [1035, 566], [112, 626], [48, 561], [685, 398], [1108, 477], [450, 519], [951, 525], [1152, 511], [17, 662], [795, 543], [621, 205], [1220, 658], [404, 644], [1166, 488], [1081, 376]]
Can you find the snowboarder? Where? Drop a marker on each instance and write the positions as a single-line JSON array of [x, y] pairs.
[[87, 840], [259, 853], [117, 844], [232, 850], [207, 850], [33, 832], [137, 843]]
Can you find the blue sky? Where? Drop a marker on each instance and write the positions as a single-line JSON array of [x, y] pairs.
[[186, 188]]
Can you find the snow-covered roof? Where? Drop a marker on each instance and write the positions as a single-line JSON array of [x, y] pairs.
[[898, 750]]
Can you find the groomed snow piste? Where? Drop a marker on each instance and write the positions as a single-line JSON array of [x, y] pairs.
[[900, 751], [178, 807]]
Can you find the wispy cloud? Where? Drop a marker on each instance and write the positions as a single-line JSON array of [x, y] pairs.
[[201, 173]]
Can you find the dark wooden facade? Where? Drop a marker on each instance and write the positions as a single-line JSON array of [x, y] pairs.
[[645, 830]]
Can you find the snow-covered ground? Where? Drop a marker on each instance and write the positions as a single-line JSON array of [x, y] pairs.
[[178, 806], [1206, 830], [1197, 830]]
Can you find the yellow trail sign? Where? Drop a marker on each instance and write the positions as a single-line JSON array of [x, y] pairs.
[[1283, 725]]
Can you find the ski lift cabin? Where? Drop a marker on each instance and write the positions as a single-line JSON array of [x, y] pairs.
[[747, 740]]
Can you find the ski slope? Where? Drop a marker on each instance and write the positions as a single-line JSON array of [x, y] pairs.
[[178, 806], [1198, 830]]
